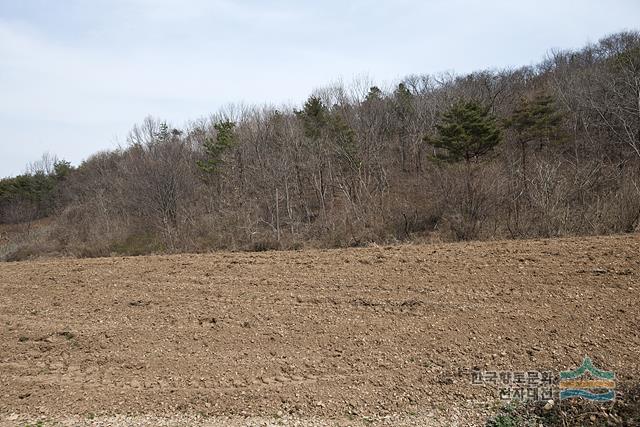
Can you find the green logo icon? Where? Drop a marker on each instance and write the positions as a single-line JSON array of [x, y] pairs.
[[588, 382]]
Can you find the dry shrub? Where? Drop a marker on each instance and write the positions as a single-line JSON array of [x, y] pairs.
[[29, 245], [468, 199]]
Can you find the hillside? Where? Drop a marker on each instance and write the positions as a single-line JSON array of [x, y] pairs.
[[546, 150]]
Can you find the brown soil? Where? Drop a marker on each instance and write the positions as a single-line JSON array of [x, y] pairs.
[[375, 335]]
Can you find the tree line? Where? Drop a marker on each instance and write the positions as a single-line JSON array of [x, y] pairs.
[[538, 151]]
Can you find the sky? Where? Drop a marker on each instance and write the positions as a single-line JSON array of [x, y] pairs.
[[76, 75]]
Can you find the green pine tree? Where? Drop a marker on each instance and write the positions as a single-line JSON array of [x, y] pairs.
[[374, 95], [536, 120], [314, 116], [215, 147], [467, 132], [404, 115], [61, 169]]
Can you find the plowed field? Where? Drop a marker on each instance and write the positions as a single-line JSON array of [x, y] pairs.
[[379, 335]]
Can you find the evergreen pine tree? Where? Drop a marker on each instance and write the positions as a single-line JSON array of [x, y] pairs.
[[535, 120], [467, 132], [215, 147]]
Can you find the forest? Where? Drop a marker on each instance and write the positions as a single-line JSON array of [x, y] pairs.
[[537, 151]]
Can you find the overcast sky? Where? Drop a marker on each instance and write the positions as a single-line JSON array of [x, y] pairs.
[[75, 75]]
